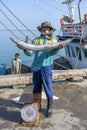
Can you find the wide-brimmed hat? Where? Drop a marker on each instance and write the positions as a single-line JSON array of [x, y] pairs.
[[45, 24]]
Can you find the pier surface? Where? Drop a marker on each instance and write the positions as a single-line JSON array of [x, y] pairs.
[[20, 79], [69, 111]]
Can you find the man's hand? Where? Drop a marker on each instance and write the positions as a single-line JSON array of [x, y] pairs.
[[61, 46]]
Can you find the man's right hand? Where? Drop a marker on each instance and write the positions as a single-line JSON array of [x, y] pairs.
[[20, 47]]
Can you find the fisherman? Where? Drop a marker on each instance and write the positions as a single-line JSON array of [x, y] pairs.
[[42, 63], [16, 65]]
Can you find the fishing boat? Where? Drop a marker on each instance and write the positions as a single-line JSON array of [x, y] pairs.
[[76, 50]]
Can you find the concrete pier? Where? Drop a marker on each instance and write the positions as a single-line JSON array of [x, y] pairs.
[[69, 111], [75, 74]]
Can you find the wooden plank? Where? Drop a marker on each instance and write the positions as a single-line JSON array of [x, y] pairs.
[[8, 80]]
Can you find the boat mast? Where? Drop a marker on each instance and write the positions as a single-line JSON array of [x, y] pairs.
[[79, 11], [71, 9]]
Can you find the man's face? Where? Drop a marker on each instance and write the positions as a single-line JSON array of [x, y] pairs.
[[46, 29], [47, 32], [16, 56]]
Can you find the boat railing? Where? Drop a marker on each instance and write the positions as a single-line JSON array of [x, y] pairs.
[[77, 30]]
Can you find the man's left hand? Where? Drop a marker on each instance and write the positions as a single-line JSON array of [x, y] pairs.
[[61, 46]]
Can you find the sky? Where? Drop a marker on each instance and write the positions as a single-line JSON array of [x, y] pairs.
[[33, 12]]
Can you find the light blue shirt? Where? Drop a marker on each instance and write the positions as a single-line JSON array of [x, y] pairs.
[[42, 58]]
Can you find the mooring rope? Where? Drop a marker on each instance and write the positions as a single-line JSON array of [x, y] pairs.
[[60, 65], [12, 23], [78, 51], [8, 29], [17, 18]]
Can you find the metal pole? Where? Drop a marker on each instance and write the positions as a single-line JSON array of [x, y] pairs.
[[79, 11]]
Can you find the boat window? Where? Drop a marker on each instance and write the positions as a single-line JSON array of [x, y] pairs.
[[85, 53], [68, 50], [78, 52], [73, 51]]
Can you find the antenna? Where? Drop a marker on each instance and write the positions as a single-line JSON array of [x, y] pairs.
[[71, 11]]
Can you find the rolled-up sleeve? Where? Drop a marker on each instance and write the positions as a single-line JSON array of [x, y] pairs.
[[53, 52], [28, 52]]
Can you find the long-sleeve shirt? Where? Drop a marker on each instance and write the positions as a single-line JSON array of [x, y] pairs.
[[42, 58]]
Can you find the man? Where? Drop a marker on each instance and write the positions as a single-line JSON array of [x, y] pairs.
[[42, 63], [16, 65]]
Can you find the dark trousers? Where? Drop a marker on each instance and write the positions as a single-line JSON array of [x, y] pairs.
[[43, 77]]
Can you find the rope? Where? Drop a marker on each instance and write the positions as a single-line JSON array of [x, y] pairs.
[[59, 9], [12, 23], [78, 51], [29, 29], [61, 65], [45, 11], [8, 29], [17, 18]]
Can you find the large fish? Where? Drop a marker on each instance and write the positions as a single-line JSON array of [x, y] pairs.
[[39, 47]]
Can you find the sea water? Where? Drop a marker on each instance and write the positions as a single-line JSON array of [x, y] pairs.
[[8, 49]]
